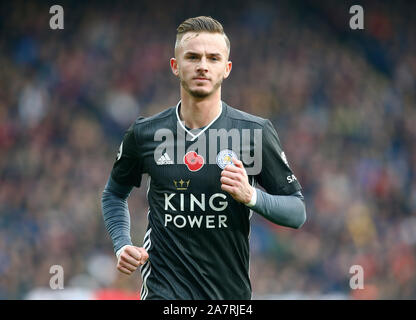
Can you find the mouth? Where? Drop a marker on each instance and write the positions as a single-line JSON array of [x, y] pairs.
[[201, 79]]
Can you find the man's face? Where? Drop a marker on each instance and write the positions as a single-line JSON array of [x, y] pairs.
[[201, 63]]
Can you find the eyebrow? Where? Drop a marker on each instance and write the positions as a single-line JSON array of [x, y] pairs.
[[216, 54]]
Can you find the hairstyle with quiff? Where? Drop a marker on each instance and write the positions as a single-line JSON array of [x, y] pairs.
[[200, 24]]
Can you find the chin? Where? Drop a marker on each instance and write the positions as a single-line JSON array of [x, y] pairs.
[[198, 93]]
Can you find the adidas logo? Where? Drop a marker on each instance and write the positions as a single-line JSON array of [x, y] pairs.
[[164, 159]]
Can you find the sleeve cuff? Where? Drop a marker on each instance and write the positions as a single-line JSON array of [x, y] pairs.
[[119, 251], [253, 200]]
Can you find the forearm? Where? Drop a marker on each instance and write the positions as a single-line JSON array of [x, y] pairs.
[[288, 211], [116, 213]]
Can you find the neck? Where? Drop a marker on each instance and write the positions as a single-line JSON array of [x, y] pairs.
[[198, 113]]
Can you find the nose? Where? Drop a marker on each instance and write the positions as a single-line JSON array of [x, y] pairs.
[[202, 65]]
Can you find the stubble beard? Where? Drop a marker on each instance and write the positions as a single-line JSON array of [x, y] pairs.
[[199, 93]]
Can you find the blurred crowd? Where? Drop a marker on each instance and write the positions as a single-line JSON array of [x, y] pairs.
[[343, 102]]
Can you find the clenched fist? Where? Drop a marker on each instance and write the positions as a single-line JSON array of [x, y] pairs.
[[234, 180], [130, 258]]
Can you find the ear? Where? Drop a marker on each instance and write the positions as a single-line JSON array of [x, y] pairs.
[[174, 66], [228, 68]]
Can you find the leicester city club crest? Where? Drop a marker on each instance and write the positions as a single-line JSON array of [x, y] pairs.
[[224, 158]]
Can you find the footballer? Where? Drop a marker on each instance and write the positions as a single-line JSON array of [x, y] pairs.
[[204, 160]]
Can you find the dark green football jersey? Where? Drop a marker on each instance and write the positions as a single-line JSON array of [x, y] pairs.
[[198, 235]]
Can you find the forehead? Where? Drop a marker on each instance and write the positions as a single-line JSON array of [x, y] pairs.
[[203, 42]]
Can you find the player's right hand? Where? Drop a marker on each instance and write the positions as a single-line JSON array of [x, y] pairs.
[[130, 258]]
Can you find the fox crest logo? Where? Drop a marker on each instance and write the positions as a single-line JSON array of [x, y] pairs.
[[193, 161], [224, 158]]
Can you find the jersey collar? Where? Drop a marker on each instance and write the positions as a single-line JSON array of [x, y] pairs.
[[194, 136]]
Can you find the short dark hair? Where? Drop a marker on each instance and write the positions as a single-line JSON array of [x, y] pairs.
[[201, 24]]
